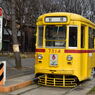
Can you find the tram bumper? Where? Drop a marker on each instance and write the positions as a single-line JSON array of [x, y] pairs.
[[57, 78]]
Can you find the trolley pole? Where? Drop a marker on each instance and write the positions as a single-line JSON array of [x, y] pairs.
[[14, 38]]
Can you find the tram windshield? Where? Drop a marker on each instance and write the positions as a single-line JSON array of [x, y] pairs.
[[55, 36]]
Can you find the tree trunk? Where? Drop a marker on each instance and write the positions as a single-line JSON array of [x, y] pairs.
[[14, 38]]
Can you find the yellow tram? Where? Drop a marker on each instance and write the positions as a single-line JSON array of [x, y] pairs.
[[65, 49]]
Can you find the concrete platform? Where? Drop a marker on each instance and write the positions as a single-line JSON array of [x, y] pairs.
[[17, 83]]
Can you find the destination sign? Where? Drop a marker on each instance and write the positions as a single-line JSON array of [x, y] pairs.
[[55, 19]]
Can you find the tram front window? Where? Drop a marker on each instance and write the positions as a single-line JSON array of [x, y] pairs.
[[55, 36]]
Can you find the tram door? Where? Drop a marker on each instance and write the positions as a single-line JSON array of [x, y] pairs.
[[84, 46], [87, 57]]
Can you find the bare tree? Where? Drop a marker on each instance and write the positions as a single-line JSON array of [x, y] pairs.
[[14, 37], [27, 11]]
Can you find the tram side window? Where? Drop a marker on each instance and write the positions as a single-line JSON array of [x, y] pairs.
[[72, 36], [82, 37], [40, 36], [91, 38]]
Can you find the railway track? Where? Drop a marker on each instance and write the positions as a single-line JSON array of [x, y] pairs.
[[27, 89], [35, 87], [87, 84]]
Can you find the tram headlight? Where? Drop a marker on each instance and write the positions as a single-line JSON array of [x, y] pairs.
[[69, 57], [40, 56]]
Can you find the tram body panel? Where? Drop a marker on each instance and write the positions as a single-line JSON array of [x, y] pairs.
[[63, 66]]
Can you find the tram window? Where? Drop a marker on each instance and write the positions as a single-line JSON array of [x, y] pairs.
[[91, 38], [40, 36], [72, 36], [82, 37], [56, 36]]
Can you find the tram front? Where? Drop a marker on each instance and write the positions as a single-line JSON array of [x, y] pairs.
[[53, 65]]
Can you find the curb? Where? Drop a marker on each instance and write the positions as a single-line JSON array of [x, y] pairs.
[[5, 89]]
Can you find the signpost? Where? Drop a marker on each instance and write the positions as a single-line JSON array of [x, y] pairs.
[[1, 25]]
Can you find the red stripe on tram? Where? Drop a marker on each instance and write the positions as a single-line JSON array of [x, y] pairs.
[[79, 51], [40, 50]]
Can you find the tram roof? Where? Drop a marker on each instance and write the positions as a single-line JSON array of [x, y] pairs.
[[73, 17]]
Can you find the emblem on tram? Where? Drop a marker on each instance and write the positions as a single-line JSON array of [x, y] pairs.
[[53, 59]]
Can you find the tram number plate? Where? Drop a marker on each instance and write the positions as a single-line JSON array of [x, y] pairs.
[[53, 59]]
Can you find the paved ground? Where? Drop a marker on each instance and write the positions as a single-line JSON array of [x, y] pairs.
[[40, 90], [27, 66]]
